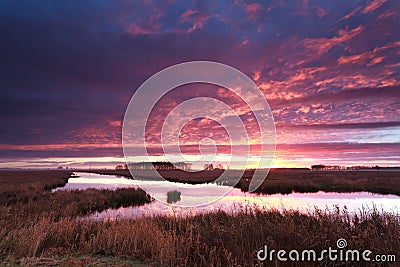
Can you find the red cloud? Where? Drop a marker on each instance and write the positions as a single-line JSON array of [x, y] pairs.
[[373, 5], [253, 10], [185, 16], [323, 45]]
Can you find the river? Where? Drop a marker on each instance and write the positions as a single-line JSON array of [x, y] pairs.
[[234, 200]]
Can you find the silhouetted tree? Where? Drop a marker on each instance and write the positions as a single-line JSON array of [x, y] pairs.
[[208, 167]]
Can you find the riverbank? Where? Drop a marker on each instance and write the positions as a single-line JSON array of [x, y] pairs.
[[288, 181]]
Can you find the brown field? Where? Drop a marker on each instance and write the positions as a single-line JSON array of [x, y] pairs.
[[287, 181], [22, 186], [382, 182], [41, 229]]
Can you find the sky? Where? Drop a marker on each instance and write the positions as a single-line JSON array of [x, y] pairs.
[[328, 69]]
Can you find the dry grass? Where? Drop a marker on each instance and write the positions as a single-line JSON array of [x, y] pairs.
[[44, 231], [22, 186], [75, 261], [382, 182], [69, 204], [213, 239]]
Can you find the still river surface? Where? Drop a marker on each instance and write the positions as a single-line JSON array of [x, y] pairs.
[[234, 200]]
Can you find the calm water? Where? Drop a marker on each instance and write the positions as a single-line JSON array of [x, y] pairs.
[[232, 201]]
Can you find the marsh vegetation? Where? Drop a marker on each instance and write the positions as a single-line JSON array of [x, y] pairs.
[[43, 228]]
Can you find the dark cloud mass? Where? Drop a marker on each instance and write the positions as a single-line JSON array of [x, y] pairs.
[[330, 70]]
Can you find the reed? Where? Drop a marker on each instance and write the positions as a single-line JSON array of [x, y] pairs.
[[46, 230], [211, 239]]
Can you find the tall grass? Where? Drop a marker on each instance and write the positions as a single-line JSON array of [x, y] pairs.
[[211, 239]]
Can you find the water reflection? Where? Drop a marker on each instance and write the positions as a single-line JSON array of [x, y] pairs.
[[235, 200]]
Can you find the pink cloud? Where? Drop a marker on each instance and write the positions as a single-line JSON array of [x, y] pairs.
[[375, 61], [136, 29], [323, 45], [115, 123], [256, 75], [321, 12], [196, 18], [63, 146], [359, 58], [245, 42], [352, 13], [386, 14], [150, 25], [188, 13], [375, 4], [253, 10], [369, 57]]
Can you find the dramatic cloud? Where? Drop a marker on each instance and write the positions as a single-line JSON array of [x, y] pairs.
[[329, 70]]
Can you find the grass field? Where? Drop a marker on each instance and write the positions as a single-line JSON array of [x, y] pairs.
[[41, 229]]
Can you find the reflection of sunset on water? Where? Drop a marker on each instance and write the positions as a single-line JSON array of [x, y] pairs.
[[233, 201]]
